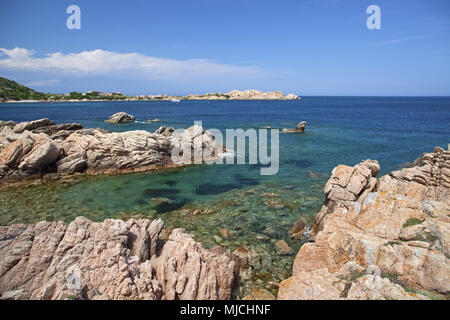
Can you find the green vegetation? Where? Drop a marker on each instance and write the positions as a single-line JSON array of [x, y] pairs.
[[92, 95], [412, 222], [429, 237], [11, 90], [76, 95], [392, 276], [226, 96], [429, 294], [355, 275]]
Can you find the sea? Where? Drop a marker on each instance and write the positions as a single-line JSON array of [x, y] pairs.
[[256, 210]]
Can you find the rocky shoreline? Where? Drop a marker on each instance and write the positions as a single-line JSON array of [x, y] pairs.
[[232, 95], [41, 149]]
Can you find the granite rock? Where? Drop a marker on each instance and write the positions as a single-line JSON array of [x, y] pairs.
[[113, 259], [121, 117], [365, 221]]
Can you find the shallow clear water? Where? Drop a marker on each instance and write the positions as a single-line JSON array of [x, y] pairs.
[[340, 130]]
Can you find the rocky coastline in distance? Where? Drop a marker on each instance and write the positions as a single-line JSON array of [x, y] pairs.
[[11, 91], [101, 96]]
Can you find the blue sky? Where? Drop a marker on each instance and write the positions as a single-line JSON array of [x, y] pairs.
[[308, 47]]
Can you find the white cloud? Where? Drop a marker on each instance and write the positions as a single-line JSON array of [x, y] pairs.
[[42, 83], [103, 62]]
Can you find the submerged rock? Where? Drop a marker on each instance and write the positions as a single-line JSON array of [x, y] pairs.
[[228, 234], [224, 233], [113, 259], [397, 225], [121, 117], [274, 204], [259, 294], [297, 229], [283, 247]]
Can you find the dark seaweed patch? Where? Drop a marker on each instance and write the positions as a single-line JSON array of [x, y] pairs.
[[141, 202], [300, 163], [155, 193], [170, 182], [209, 188], [170, 206], [245, 181]]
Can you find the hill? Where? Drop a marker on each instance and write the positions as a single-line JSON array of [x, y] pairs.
[[11, 90]]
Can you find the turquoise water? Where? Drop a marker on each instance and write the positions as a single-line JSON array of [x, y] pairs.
[[257, 210]]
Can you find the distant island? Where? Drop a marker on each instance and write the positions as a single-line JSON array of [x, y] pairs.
[[11, 91]]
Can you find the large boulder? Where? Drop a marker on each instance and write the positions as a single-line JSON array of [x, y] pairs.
[[201, 144], [114, 152], [121, 117], [110, 260], [28, 155], [32, 125], [398, 224]]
